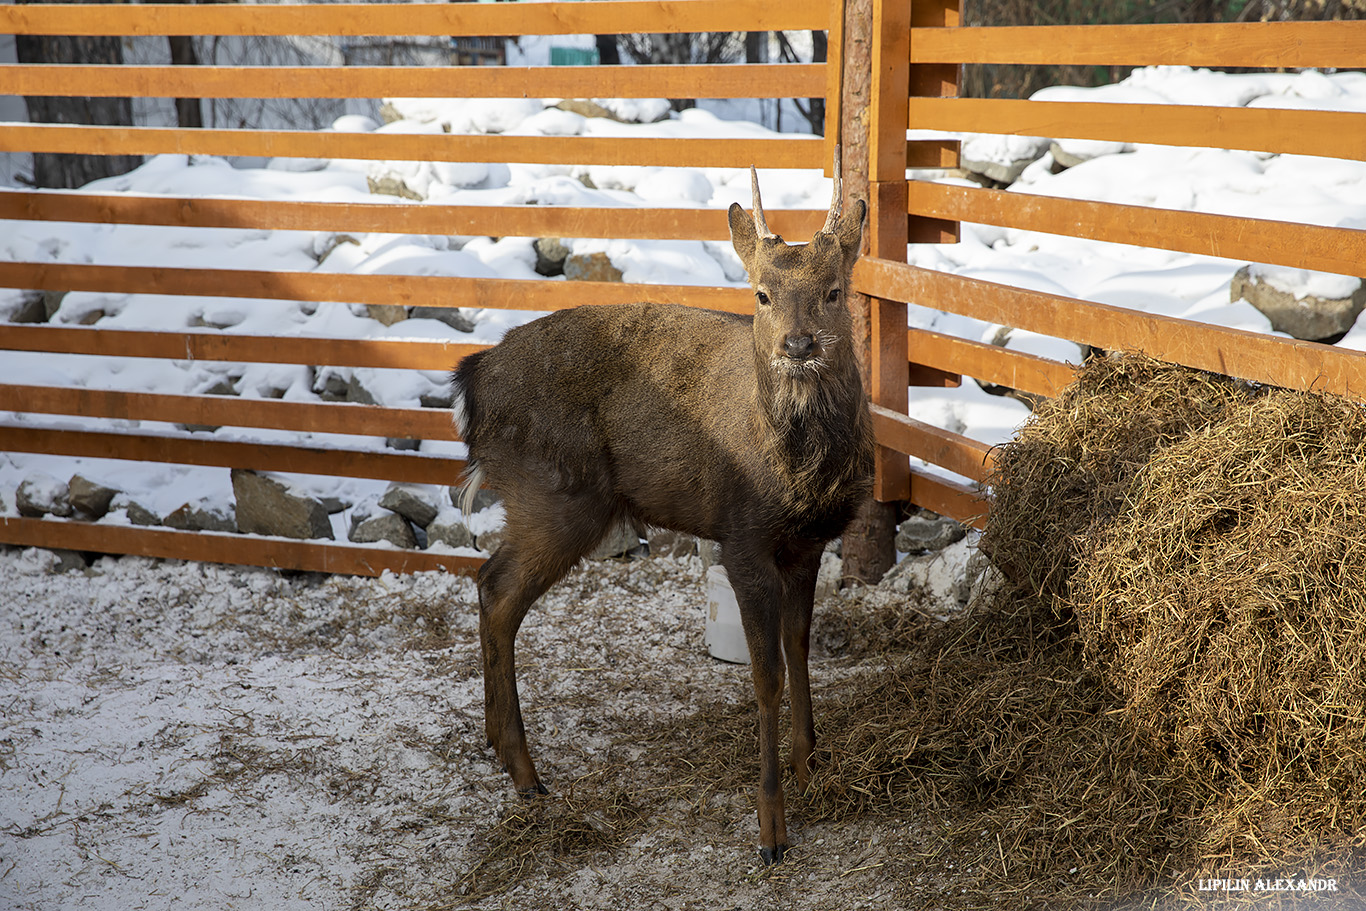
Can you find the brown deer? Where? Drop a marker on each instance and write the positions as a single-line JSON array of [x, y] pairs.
[[749, 431]]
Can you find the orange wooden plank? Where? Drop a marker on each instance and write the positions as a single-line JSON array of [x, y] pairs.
[[953, 451], [217, 346], [1340, 44], [940, 495], [1333, 134], [1341, 250], [405, 467], [1232, 352], [988, 363], [395, 218], [440, 19], [599, 150], [782, 80], [220, 410], [937, 153], [889, 91], [408, 290], [243, 550]]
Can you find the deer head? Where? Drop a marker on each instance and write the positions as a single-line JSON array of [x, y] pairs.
[[802, 324]]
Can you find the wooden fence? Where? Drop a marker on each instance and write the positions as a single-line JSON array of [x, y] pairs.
[[917, 49], [914, 84]]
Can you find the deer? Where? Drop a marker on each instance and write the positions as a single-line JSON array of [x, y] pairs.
[[751, 431]]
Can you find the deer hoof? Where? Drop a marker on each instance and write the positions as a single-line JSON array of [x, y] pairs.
[[772, 855], [531, 793]]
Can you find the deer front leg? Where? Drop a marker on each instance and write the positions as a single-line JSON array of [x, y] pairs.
[[758, 601], [796, 631]]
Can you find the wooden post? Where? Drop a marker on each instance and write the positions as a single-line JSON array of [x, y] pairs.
[[874, 52]]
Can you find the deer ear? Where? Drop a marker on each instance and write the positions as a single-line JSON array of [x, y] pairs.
[[850, 230], [743, 235]]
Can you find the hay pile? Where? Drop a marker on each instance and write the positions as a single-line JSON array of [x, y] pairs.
[[1208, 541]]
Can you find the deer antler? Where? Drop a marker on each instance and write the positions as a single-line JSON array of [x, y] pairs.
[[835, 201], [760, 223]]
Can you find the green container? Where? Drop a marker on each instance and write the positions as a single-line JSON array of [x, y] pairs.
[[573, 56]]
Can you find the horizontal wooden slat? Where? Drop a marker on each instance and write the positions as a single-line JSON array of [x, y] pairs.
[[404, 467], [589, 150], [439, 19], [1340, 250], [947, 498], [932, 153], [1233, 352], [220, 346], [989, 363], [394, 218], [220, 410], [213, 547], [408, 290], [1222, 44], [782, 80], [953, 451], [1333, 134]]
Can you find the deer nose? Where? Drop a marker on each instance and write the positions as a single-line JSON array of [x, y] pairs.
[[798, 347]]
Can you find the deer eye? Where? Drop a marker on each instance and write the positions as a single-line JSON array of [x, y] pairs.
[[762, 298]]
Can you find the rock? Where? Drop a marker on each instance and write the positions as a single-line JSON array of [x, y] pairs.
[[483, 498], [666, 543], [918, 534], [409, 503], [267, 507], [447, 529], [451, 316], [40, 495], [489, 541], [67, 561], [201, 517], [436, 399], [590, 267], [52, 302], [585, 108], [387, 314], [550, 256], [221, 386], [1002, 159], [619, 542], [30, 309], [136, 512], [390, 185], [1309, 318], [943, 575], [89, 499], [331, 386], [357, 393], [388, 526]]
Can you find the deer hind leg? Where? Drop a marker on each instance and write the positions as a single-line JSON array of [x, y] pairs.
[[540, 546], [757, 592]]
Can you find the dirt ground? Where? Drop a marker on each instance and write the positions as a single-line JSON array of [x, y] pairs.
[[191, 736]]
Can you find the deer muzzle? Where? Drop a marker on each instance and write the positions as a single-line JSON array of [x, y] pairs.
[[799, 347]]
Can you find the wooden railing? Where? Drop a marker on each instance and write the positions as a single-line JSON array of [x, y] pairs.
[[921, 95], [39, 433], [917, 50]]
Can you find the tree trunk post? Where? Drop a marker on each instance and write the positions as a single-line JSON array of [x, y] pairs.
[[874, 51], [62, 171]]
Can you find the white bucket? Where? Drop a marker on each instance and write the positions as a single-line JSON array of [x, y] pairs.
[[725, 637]]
